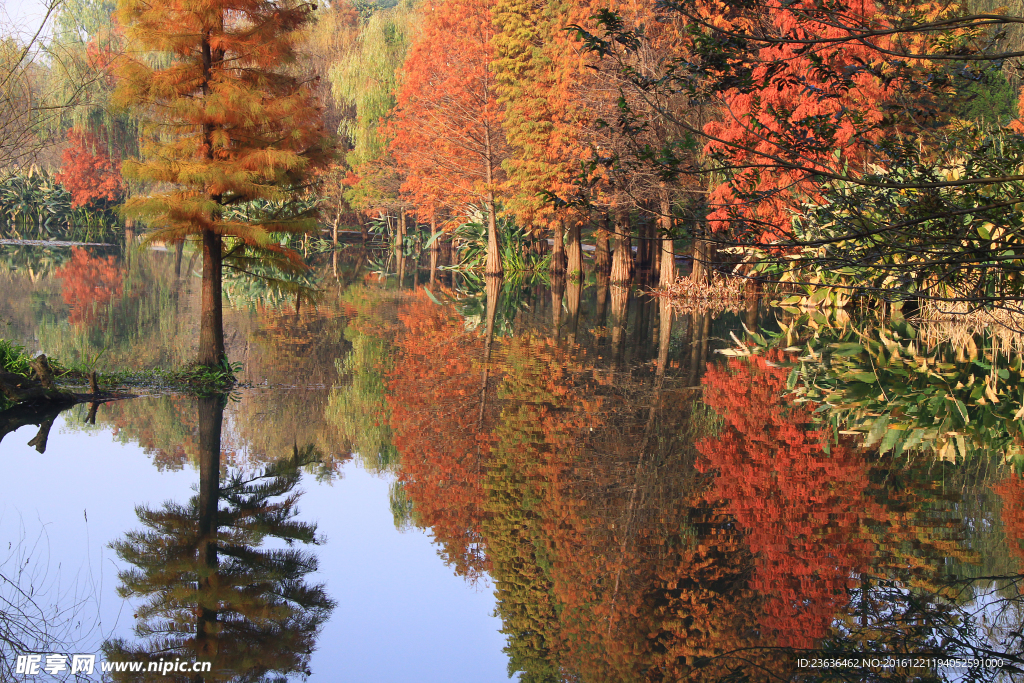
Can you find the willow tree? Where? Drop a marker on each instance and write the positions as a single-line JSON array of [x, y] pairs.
[[227, 118]]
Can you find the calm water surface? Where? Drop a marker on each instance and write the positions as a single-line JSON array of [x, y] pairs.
[[451, 482]]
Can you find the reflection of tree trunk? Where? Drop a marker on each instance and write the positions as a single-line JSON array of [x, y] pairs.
[[557, 249], [667, 259], [645, 232], [601, 312], [211, 417], [363, 231], [401, 271], [693, 360], [493, 292], [557, 292], [572, 302], [574, 251], [664, 334], [602, 255], [622, 259], [41, 437], [415, 271], [750, 319], [641, 326], [211, 323], [620, 310]]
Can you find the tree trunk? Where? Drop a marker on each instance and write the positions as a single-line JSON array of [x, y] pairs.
[[178, 251], [700, 271], [667, 250], [574, 251], [622, 259], [400, 240], [211, 319], [494, 266], [557, 249]]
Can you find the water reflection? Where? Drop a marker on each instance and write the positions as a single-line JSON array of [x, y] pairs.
[[646, 509], [209, 589]]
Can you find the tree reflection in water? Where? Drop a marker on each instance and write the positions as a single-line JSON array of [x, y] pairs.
[[209, 591], [641, 523]]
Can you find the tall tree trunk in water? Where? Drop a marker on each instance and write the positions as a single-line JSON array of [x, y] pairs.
[[557, 292], [211, 319], [435, 247], [574, 252], [400, 241], [493, 266], [701, 261], [179, 248], [667, 250], [572, 301], [558, 249], [622, 259], [602, 255], [211, 417]]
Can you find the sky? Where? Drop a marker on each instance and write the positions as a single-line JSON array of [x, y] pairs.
[[21, 16]]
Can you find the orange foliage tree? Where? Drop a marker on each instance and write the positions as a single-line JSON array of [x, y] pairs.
[[87, 283], [88, 172], [229, 119], [446, 131]]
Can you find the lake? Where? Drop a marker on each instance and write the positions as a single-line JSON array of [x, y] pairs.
[[442, 479]]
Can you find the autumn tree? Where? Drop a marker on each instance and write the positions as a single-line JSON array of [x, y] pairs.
[[448, 139], [88, 172], [228, 120]]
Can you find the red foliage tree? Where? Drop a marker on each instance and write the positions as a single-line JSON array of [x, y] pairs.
[[809, 109], [88, 282], [88, 172]]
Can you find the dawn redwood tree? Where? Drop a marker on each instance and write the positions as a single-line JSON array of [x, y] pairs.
[[228, 119], [88, 172], [447, 134]]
